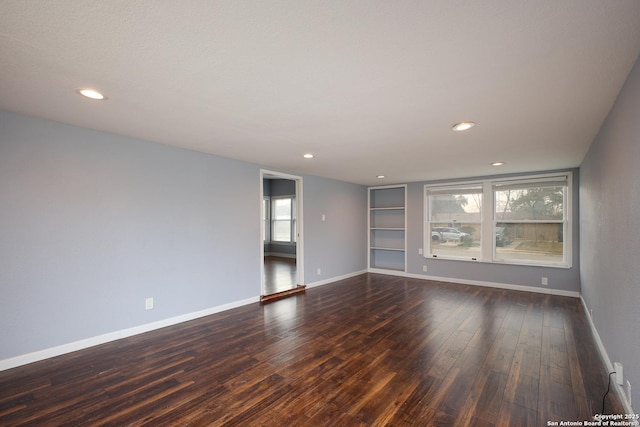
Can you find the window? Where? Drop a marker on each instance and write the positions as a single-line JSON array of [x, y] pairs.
[[454, 221], [283, 219], [523, 220], [530, 221]]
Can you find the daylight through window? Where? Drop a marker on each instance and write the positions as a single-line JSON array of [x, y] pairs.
[[530, 221], [283, 219], [454, 221], [518, 221]]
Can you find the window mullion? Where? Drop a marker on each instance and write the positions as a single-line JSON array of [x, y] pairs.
[[487, 240], [508, 231]]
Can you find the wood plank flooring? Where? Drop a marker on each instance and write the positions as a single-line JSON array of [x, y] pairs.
[[372, 350], [280, 274]]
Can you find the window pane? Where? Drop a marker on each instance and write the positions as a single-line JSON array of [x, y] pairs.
[[282, 231], [535, 243], [450, 208], [282, 208], [460, 241], [534, 203]]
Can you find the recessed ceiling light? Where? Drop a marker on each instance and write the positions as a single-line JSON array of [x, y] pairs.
[[308, 156], [459, 127], [92, 93], [497, 163], [379, 176]]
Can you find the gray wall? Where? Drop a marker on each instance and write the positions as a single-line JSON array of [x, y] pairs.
[[280, 249], [282, 187], [340, 242], [610, 226], [559, 278], [278, 187], [93, 223]]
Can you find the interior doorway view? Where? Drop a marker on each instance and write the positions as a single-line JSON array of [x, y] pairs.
[[281, 239]]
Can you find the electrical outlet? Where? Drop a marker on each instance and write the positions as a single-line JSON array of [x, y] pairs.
[[319, 271], [424, 268], [419, 251], [544, 281], [617, 366], [148, 303]]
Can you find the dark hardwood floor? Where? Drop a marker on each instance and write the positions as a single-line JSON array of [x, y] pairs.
[[370, 350], [280, 274]]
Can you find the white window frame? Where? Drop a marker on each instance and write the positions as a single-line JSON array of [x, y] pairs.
[[451, 188], [563, 179], [489, 220], [293, 224]]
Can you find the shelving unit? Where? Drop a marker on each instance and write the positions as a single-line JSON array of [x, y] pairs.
[[387, 222]]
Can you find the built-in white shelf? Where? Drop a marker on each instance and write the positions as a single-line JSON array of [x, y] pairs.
[[386, 223]]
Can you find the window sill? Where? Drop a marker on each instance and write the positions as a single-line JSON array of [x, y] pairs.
[[497, 262]]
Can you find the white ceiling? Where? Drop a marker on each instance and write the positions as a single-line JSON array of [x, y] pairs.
[[370, 87]]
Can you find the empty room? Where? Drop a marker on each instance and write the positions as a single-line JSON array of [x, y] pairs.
[[319, 213]]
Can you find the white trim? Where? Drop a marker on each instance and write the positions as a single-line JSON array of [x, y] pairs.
[[266, 231], [535, 180], [509, 286], [298, 197], [456, 183], [300, 228], [116, 335], [39, 355], [427, 222], [335, 279], [387, 271], [292, 226], [489, 221], [603, 353]]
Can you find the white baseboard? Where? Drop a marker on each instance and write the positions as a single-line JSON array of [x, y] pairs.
[[335, 279], [112, 336], [47, 353], [512, 287], [603, 352], [116, 335]]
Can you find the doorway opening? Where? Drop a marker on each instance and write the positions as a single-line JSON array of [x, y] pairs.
[[281, 237]]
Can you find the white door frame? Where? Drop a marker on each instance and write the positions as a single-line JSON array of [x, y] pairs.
[[299, 224]]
